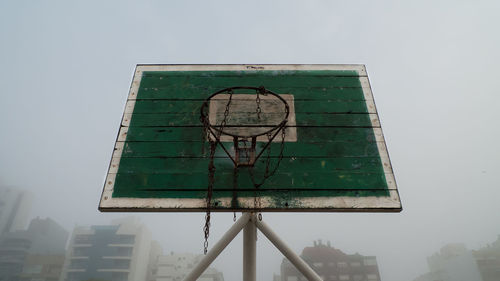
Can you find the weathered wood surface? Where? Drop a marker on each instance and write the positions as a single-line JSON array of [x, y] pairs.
[[308, 106], [337, 155], [303, 119], [310, 134]]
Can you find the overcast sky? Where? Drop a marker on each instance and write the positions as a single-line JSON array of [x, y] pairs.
[[434, 68]]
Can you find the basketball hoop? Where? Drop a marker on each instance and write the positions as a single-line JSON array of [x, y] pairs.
[[268, 123], [242, 125]]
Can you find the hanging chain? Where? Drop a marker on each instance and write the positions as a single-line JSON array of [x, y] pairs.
[[247, 157], [257, 100], [260, 90], [268, 174], [214, 140], [211, 172], [235, 187], [211, 167]]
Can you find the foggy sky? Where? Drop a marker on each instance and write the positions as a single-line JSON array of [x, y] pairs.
[[433, 67]]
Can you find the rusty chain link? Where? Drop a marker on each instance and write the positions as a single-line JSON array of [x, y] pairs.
[[215, 138], [211, 168], [267, 174]]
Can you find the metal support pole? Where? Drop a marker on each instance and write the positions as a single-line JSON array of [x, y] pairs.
[[249, 250], [297, 261], [218, 248]]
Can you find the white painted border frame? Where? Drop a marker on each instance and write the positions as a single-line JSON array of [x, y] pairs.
[[389, 203]]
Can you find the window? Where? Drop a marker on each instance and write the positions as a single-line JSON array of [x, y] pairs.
[[32, 269], [355, 264], [119, 276], [82, 239], [54, 269], [344, 277], [80, 252], [342, 264], [78, 264], [370, 261], [75, 276], [121, 264], [124, 239], [124, 251], [317, 264], [357, 277]]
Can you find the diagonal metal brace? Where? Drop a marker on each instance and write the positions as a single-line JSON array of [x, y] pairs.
[[218, 248], [295, 259]]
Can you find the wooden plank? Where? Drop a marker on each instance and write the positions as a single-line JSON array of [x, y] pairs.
[[280, 196], [309, 93], [223, 80], [224, 181], [274, 199], [309, 149], [311, 74], [358, 68], [305, 134], [151, 165], [302, 119], [186, 106], [291, 201]]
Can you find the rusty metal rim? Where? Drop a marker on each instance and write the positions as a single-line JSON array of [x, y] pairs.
[[261, 90]]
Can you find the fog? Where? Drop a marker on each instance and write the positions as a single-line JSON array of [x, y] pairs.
[[433, 67]]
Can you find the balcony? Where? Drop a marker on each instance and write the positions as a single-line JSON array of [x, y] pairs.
[[76, 270], [117, 257], [79, 257], [125, 270]]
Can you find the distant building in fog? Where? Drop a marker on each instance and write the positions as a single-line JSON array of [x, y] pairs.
[[154, 255], [488, 261], [452, 263], [333, 265], [120, 251], [42, 268], [25, 254], [14, 209], [175, 267]]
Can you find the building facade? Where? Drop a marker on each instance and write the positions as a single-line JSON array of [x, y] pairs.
[[452, 263], [175, 267], [332, 265], [25, 254], [14, 209], [42, 268], [488, 261], [120, 251]]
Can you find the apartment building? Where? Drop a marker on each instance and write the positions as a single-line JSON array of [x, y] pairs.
[[120, 251], [488, 261], [453, 262], [176, 266], [14, 209], [333, 265], [30, 254]]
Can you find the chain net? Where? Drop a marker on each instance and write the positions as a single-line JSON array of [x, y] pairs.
[[213, 134]]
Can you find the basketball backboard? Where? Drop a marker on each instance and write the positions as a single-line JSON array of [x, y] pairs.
[[334, 155]]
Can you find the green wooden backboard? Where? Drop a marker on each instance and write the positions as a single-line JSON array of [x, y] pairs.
[[334, 157]]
